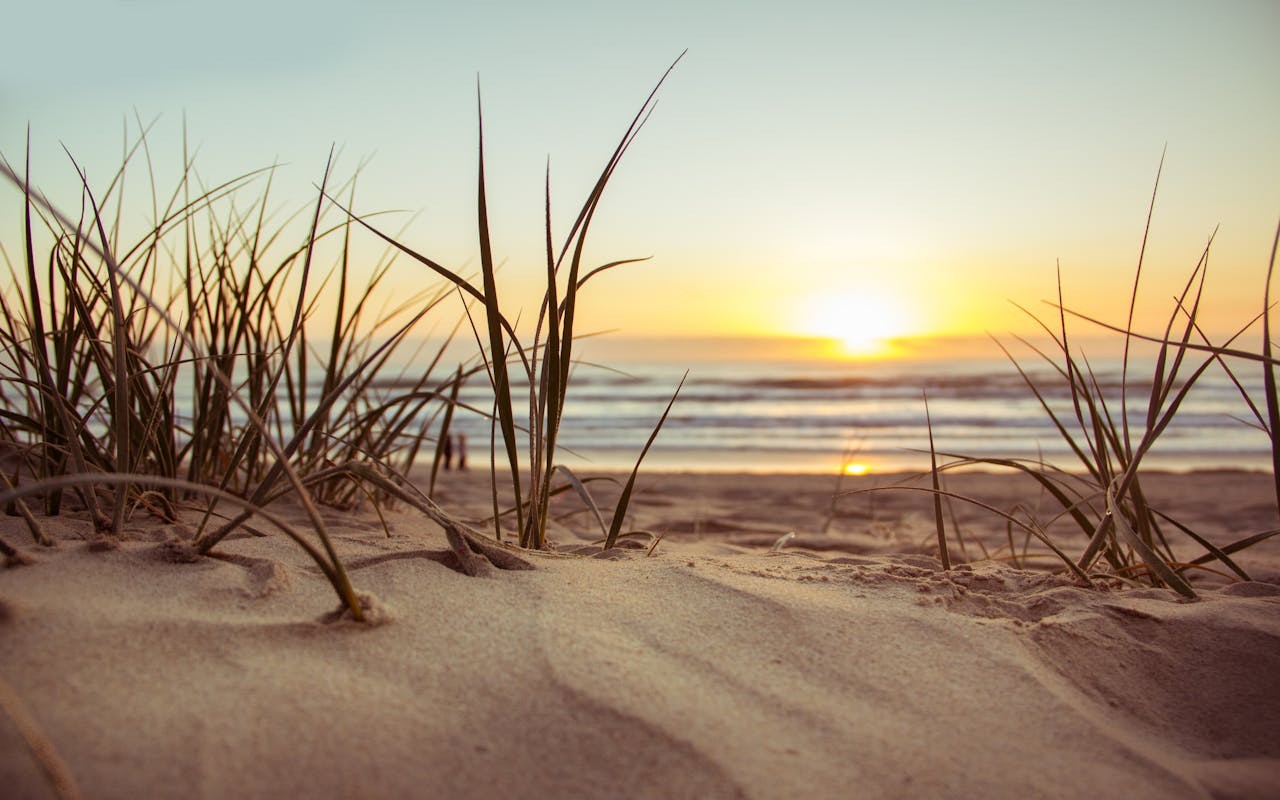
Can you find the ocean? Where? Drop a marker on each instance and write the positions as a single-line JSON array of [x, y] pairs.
[[869, 416]]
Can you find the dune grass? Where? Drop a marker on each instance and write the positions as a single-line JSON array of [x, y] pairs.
[[546, 362], [1102, 496], [191, 368], [94, 350]]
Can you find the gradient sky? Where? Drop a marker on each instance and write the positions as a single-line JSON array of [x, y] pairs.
[[928, 161]]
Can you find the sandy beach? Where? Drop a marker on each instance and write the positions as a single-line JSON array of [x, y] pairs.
[[842, 663], [331, 335]]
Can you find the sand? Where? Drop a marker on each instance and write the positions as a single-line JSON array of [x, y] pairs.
[[844, 664]]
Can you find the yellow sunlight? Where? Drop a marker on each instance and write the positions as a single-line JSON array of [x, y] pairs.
[[862, 325]]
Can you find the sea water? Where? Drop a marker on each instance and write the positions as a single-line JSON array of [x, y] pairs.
[[870, 416]]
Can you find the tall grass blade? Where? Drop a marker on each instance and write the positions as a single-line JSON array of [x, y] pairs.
[[1133, 301], [937, 491], [119, 336], [493, 320], [1268, 371], [546, 391], [39, 345], [624, 499]]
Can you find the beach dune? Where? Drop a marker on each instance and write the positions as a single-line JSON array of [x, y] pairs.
[[846, 663]]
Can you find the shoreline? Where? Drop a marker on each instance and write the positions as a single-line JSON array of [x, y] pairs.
[[1222, 505], [882, 464], [895, 473]]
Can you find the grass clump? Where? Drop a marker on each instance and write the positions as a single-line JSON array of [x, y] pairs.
[[151, 373], [544, 363], [187, 368], [1102, 495]]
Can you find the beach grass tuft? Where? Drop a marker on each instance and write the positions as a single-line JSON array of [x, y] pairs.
[[191, 368], [1124, 534], [546, 361]]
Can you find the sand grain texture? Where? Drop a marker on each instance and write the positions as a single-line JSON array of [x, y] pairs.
[[713, 668]]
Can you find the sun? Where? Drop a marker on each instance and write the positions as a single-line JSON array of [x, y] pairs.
[[863, 325]]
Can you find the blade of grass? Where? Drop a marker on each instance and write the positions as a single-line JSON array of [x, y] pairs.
[[61, 781], [1214, 550], [1023, 526], [1268, 370], [937, 491], [493, 319], [585, 495], [123, 435], [624, 500], [1153, 561], [443, 437], [1133, 302]]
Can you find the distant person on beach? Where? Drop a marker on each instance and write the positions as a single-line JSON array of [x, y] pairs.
[[462, 451], [448, 451]]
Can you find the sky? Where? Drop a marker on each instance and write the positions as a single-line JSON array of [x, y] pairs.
[[851, 169]]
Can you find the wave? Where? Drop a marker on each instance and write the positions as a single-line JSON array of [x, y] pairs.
[[747, 414]]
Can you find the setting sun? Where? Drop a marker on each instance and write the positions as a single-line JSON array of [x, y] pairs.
[[862, 324]]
